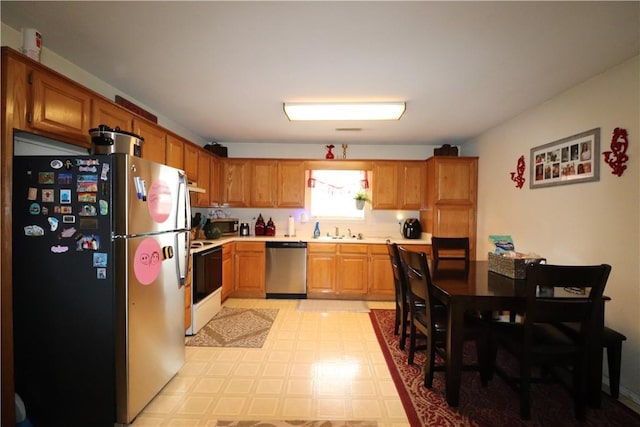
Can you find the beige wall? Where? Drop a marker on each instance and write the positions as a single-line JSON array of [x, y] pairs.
[[597, 222]]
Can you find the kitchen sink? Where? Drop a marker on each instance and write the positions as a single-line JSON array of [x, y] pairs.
[[338, 238]]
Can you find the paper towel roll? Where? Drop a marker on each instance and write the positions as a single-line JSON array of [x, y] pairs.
[[291, 228]]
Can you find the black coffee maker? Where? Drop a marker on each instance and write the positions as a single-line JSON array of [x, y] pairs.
[[412, 229]]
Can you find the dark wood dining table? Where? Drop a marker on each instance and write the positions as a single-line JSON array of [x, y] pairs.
[[481, 290]]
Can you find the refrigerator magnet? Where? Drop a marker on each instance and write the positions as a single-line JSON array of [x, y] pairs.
[[32, 193], [59, 249], [68, 219], [101, 273], [34, 209], [100, 259], [56, 164], [48, 195], [65, 178], [65, 196], [33, 230], [46, 177], [53, 223]]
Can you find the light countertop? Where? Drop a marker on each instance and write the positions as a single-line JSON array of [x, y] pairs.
[[366, 240]]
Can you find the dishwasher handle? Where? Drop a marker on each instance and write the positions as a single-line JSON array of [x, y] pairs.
[[286, 245]]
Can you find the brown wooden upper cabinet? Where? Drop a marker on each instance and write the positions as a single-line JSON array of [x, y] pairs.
[[291, 183], [175, 152], [109, 114], [264, 181], [215, 172], [277, 183], [451, 198], [155, 140], [235, 182], [204, 179], [398, 184], [59, 107]]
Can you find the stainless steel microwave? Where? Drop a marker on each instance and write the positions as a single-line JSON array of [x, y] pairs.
[[228, 226]]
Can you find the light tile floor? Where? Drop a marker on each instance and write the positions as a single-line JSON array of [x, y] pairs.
[[313, 366]]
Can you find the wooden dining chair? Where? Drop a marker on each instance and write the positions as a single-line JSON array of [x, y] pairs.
[[450, 249], [554, 294], [402, 299], [430, 319]]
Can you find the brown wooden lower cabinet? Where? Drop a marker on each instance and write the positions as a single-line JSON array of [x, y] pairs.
[[227, 271], [249, 269], [352, 270]]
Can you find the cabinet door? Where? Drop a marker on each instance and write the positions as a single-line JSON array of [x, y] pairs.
[[214, 179], [352, 269], [60, 107], [175, 152], [381, 283], [203, 179], [455, 180], [191, 153], [227, 271], [249, 266], [235, 183], [264, 188], [384, 182], [106, 113], [456, 221], [155, 140], [291, 183], [321, 268], [412, 184]]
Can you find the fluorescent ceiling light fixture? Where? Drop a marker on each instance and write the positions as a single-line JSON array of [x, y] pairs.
[[345, 111]]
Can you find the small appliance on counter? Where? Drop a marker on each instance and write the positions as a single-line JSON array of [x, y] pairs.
[[244, 229], [412, 229]]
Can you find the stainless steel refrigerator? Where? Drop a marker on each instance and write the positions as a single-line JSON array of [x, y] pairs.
[[100, 256]]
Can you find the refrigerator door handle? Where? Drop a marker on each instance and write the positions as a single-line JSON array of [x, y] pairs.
[[182, 260], [184, 204]]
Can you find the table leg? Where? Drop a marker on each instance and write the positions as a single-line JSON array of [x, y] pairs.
[[455, 339]]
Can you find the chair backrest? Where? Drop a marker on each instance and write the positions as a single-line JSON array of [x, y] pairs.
[[399, 279], [450, 249], [564, 293], [418, 279]]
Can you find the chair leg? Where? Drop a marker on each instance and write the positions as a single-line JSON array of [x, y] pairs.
[[525, 390], [397, 322], [428, 364], [412, 343], [403, 328], [614, 356]]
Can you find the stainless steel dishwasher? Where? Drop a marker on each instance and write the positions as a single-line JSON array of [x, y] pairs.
[[286, 270]]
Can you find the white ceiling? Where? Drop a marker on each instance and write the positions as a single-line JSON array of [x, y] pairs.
[[223, 69]]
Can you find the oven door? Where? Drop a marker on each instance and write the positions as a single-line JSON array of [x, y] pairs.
[[207, 273]]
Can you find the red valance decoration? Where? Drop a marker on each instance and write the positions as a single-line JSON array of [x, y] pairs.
[[617, 157]]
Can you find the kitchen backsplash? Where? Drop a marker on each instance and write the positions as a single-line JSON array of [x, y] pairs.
[[378, 223]]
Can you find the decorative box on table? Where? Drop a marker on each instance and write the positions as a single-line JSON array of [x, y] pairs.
[[516, 268]]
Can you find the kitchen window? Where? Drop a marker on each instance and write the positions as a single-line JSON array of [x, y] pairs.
[[332, 193]]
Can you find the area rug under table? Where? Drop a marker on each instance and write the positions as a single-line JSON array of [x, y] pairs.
[[236, 327], [332, 305], [495, 405]]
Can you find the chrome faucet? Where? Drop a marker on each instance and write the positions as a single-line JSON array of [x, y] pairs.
[[349, 230], [337, 232]]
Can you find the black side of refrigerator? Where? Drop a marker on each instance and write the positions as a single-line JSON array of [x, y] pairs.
[[63, 290]]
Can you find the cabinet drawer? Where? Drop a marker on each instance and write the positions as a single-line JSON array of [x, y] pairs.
[[349, 248], [321, 248], [250, 246], [378, 250]]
